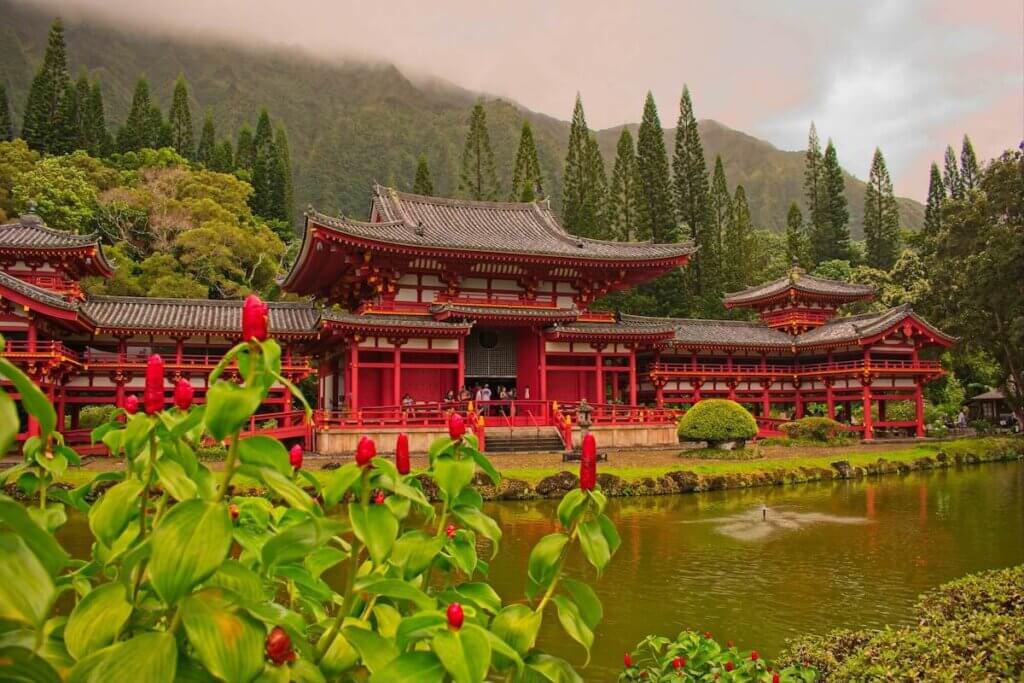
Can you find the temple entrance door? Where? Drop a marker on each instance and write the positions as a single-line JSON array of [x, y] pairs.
[[490, 361], [509, 358]]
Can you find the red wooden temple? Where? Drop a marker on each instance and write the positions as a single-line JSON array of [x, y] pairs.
[[431, 296]]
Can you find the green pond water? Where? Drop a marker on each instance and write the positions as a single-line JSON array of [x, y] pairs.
[[845, 554]]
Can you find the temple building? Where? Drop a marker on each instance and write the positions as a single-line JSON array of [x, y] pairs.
[[436, 299]]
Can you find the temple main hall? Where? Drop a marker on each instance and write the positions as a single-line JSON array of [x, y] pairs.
[[434, 305]]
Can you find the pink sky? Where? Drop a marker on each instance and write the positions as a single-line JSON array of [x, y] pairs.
[[909, 76]]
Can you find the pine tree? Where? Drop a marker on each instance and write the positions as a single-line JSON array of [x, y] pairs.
[[832, 240], [44, 127], [933, 208], [814, 188], [422, 184], [881, 216], [581, 200], [720, 215], [6, 119], [796, 238], [264, 159], [180, 119], [526, 177], [75, 109], [94, 123], [691, 189], [624, 196], [597, 181], [951, 175], [737, 242], [478, 179], [657, 218], [142, 128], [222, 158], [284, 185], [969, 171], [245, 151], [207, 141]]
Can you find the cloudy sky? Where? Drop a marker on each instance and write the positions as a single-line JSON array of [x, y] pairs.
[[910, 76]]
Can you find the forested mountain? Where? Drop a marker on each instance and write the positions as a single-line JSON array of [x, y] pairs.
[[350, 124]]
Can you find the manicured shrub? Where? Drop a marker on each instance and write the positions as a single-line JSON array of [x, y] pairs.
[[91, 417], [820, 429], [716, 421], [982, 427]]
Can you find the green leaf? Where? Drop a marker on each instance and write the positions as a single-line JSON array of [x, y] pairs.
[[594, 546], [114, 510], [189, 544], [415, 551], [299, 540], [412, 667], [340, 656], [229, 644], [376, 527], [174, 480], [481, 595], [149, 658], [485, 464], [586, 600], [502, 651], [552, 669], [465, 653], [418, 626], [543, 562], [240, 580], [264, 451], [463, 551], [388, 618], [517, 625], [322, 559], [376, 652], [21, 665], [453, 475], [571, 506], [397, 590], [480, 523], [10, 425], [437, 447], [228, 407], [42, 544], [97, 619], [574, 624], [284, 488], [611, 534], [33, 400], [26, 589], [339, 482]]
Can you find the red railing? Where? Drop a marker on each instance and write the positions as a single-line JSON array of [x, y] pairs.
[[620, 414], [16, 348], [789, 370], [197, 361]]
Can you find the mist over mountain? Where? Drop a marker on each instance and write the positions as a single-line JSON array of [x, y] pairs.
[[352, 123]]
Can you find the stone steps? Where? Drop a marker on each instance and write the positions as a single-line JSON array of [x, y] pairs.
[[524, 440]]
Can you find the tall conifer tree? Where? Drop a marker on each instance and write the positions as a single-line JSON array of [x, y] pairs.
[[207, 141], [657, 217], [951, 175], [597, 180], [6, 118], [180, 119], [44, 127], [881, 216], [737, 243], [969, 171], [527, 184], [796, 237], [423, 184], [141, 129], [832, 240], [94, 122], [933, 208], [814, 188], [624, 195], [581, 203], [75, 112], [282, 185], [691, 189], [264, 160], [222, 159], [720, 216], [245, 152], [478, 179]]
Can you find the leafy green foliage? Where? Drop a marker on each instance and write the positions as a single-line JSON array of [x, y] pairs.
[[478, 179], [820, 429], [716, 420]]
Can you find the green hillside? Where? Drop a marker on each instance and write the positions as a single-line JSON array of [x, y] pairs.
[[353, 123]]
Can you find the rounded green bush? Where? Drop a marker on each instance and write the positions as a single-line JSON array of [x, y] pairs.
[[93, 416], [716, 420], [813, 429]]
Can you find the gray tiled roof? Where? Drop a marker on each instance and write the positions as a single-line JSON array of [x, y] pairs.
[[728, 333], [800, 281], [29, 232], [856, 327], [504, 227], [626, 326], [37, 293], [168, 315], [471, 311], [390, 321]]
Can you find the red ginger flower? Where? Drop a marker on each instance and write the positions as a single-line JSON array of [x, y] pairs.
[[379, 498], [183, 393], [729, 666], [131, 404], [279, 647], [627, 660], [295, 456], [153, 394], [450, 530], [455, 616], [776, 678], [233, 511], [366, 450], [456, 426], [255, 319], [588, 463], [754, 655], [678, 663], [402, 454]]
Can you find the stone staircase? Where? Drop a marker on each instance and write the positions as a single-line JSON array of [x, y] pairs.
[[524, 440]]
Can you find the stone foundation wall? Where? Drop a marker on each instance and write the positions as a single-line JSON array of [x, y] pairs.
[[338, 442], [631, 436]]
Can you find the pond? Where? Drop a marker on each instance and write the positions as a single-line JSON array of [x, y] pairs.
[[846, 554]]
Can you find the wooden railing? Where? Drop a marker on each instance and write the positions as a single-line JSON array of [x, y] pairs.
[[757, 369]]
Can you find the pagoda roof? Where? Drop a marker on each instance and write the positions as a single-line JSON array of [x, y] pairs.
[[36, 293], [393, 322], [621, 328], [145, 314], [859, 328], [697, 332], [30, 235], [799, 282], [451, 309]]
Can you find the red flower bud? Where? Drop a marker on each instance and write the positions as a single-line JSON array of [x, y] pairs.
[[729, 666], [678, 663], [776, 678], [295, 456], [627, 660], [402, 454], [754, 655], [233, 511], [279, 647], [728, 643], [183, 393], [366, 450], [450, 530], [707, 635], [455, 616], [153, 395], [255, 319], [379, 498], [456, 426], [131, 404], [588, 463]]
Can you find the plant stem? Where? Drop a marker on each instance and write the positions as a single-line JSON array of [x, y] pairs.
[[229, 467], [558, 572], [143, 504], [175, 621]]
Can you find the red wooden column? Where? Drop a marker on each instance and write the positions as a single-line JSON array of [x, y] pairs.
[[599, 368], [354, 364], [396, 375], [766, 401], [632, 376], [869, 429], [829, 400], [461, 378], [799, 397], [919, 409], [543, 372], [179, 349], [31, 333], [321, 380]]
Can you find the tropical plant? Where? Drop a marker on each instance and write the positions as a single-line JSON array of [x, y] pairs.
[[821, 429], [188, 581], [717, 421]]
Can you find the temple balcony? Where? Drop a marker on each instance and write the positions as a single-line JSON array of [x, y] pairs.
[[776, 371]]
